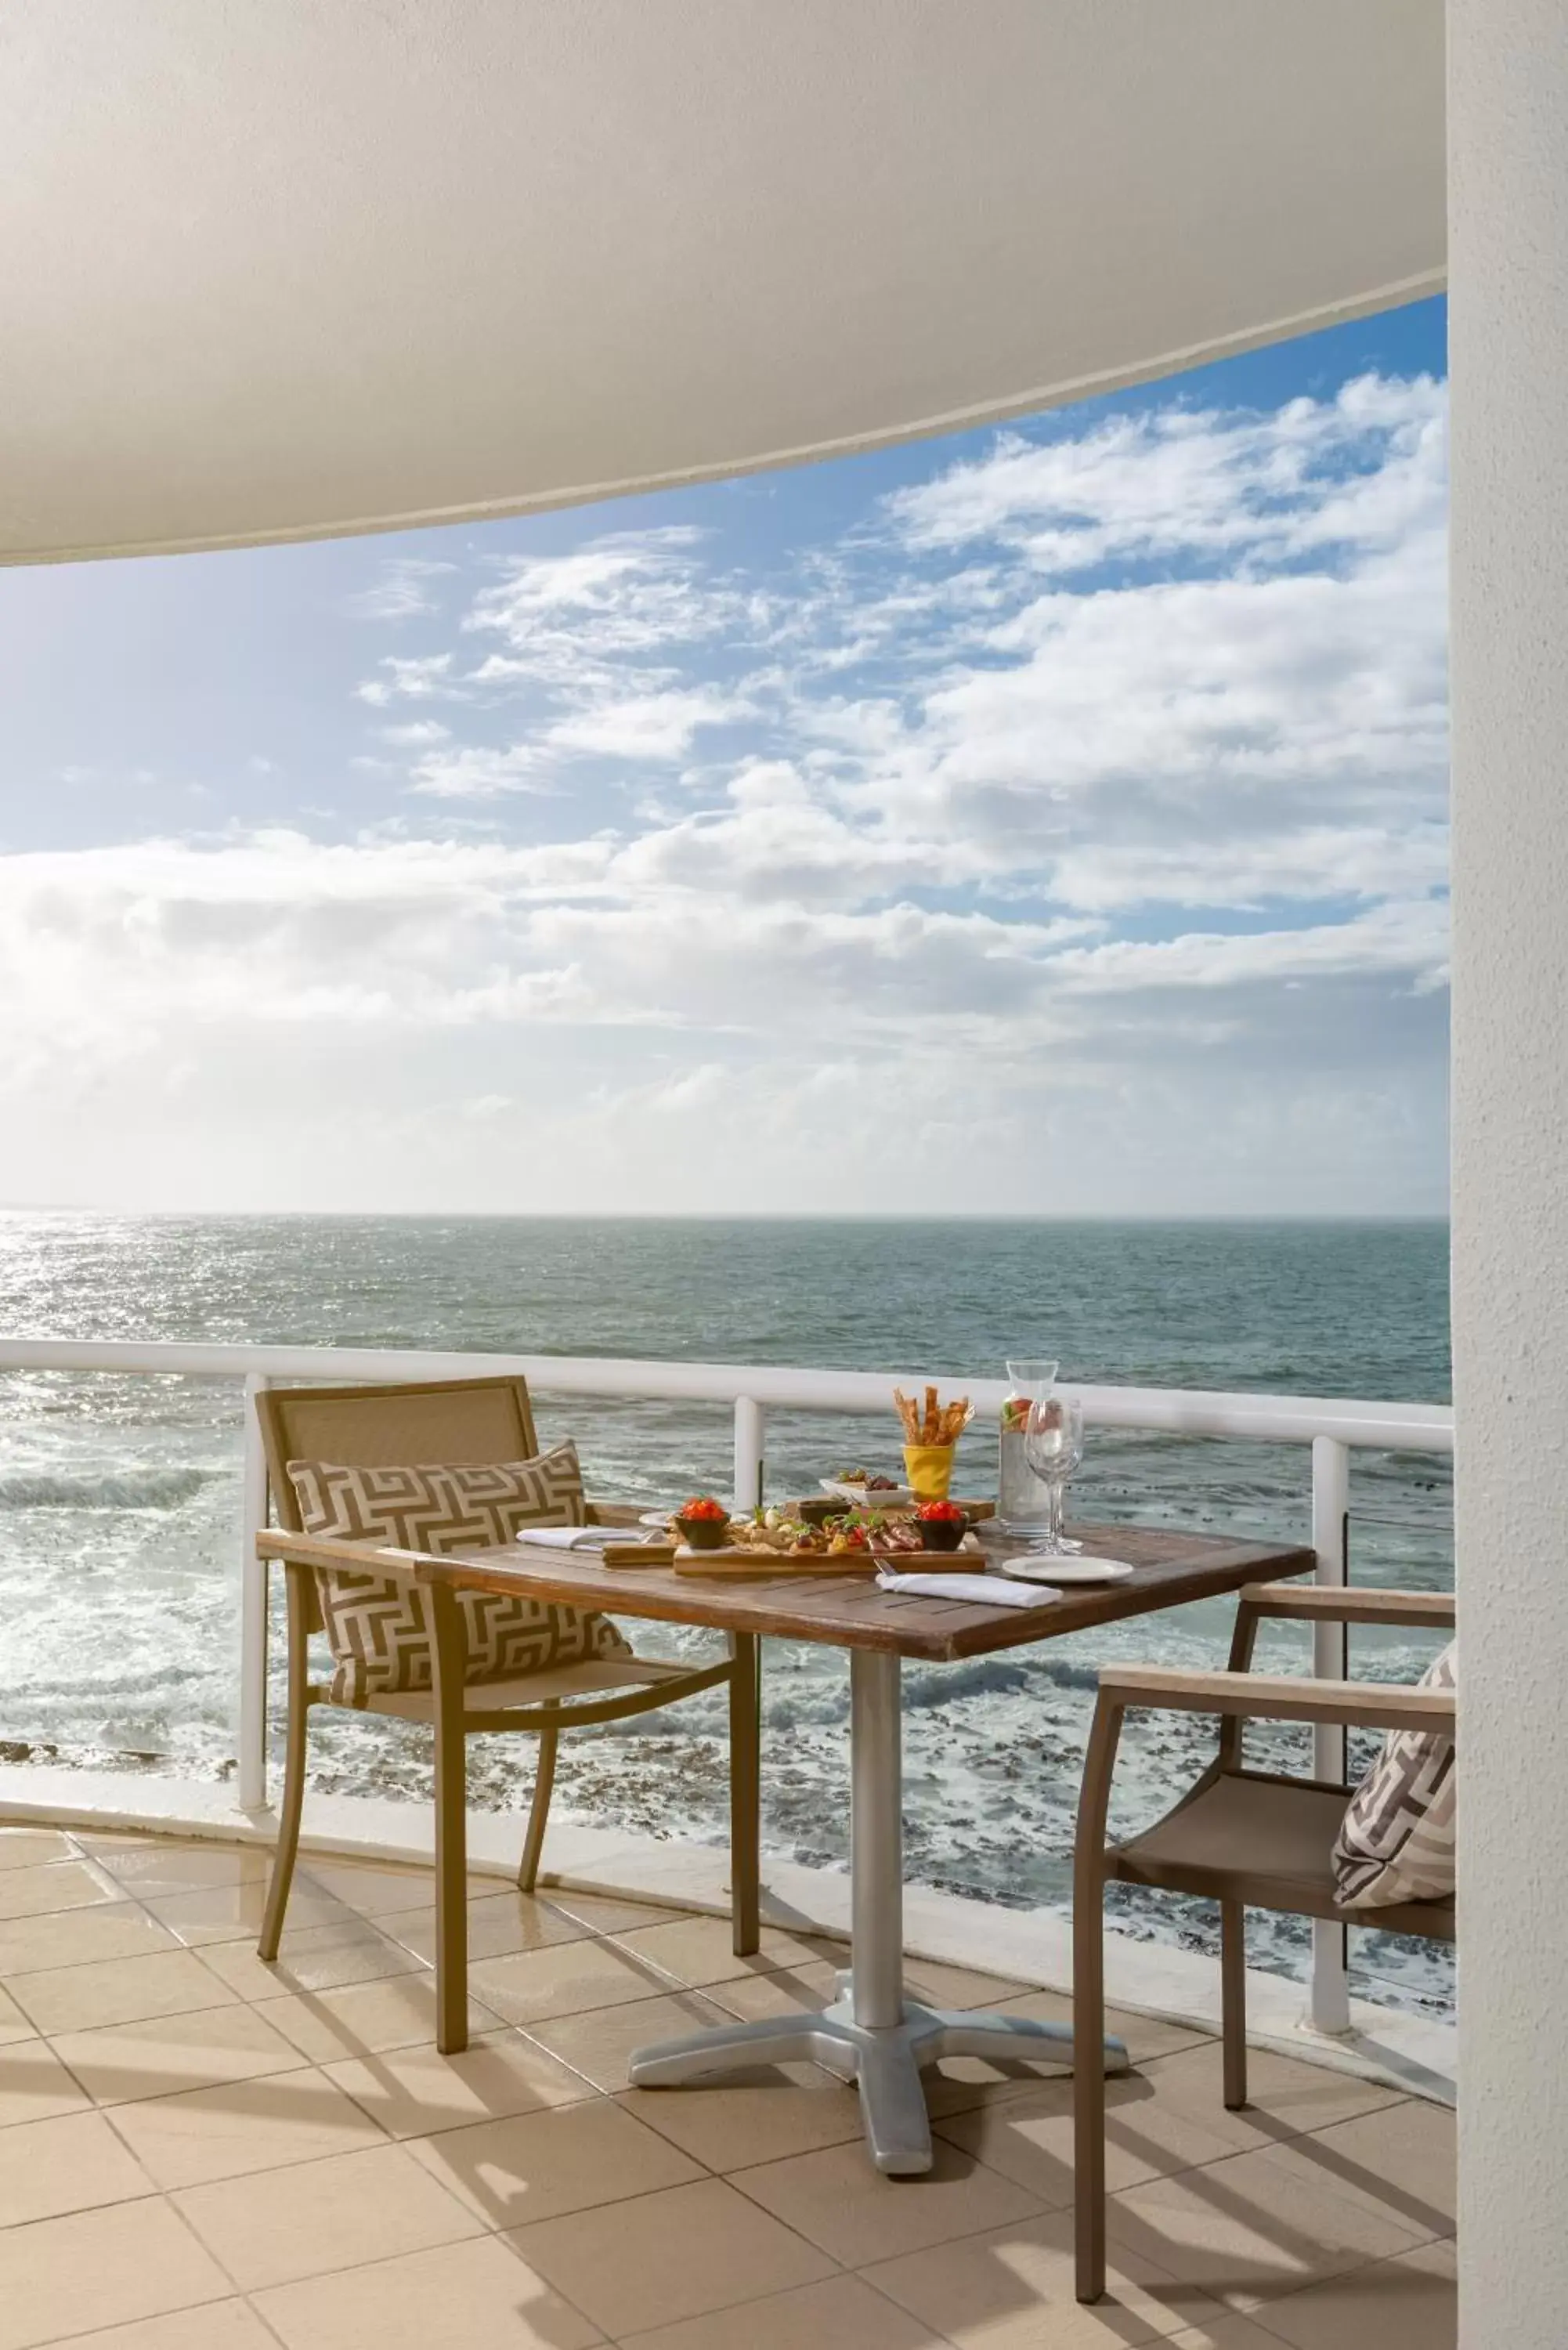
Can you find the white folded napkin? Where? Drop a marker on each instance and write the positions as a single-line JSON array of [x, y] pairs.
[[985, 1590], [577, 1537]]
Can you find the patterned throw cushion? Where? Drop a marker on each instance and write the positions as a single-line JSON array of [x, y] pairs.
[[374, 1624], [1396, 1843]]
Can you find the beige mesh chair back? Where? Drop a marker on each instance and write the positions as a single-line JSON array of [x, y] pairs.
[[474, 1423], [468, 1422]]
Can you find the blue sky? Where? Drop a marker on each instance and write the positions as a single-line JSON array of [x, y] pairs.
[[1044, 818]]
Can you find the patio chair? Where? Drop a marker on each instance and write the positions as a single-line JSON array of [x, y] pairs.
[[476, 1423], [1236, 1837]]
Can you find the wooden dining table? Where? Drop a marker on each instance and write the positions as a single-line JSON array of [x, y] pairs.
[[873, 2032]]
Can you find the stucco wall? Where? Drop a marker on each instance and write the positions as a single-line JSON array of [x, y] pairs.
[[1509, 259]]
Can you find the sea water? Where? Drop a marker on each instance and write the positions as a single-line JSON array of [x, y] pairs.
[[119, 1495]]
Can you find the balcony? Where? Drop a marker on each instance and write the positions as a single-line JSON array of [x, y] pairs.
[[198, 2150]]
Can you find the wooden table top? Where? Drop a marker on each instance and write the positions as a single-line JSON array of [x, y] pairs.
[[849, 1612]]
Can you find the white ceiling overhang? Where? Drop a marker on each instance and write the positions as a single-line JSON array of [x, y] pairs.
[[279, 268]]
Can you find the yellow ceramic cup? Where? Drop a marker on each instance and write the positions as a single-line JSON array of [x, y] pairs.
[[928, 1468]]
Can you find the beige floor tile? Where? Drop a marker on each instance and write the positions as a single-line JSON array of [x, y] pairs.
[[1227, 2333], [607, 1913], [66, 2165], [1165, 2118], [566, 1980], [367, 2019], [679, 2254], [415, 2092], [60, 1885], [276, 2226], [778, 1992], [1014, 2288], [119, 1991], [243, 2126], [837, 2198], [13, 2025], [841, 2313], [944, 1986], [480, 2295], [173, 2052], [497, 1926], [1285, 2098], [216, 2325], [1146, 2036], [738, 2119], [156, 1866], [233, 1913], [962, 2081], [537, 2166], [62, 2277], [312, 1959], [1254, 2226], [29, 1847], [600, 2044], [1408, 2304], [35, 2085], [375, 1890], [80, 1937], [700, 1950], [1405, 2153]]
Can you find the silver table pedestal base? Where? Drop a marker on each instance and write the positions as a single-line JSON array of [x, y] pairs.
[[884, 2061], [872, 2035]]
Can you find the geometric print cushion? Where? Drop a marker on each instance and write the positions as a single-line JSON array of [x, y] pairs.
[[375, 1624], [1398, 1841]]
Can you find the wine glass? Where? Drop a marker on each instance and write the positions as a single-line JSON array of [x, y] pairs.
[[1053, 1448]]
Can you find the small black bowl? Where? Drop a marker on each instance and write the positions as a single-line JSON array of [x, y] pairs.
[[942, 1533], [705, 1534]]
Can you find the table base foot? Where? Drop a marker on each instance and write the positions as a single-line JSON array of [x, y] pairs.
[[885, 2062]]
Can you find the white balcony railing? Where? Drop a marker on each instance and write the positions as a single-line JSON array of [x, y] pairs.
[[1331, 1426]]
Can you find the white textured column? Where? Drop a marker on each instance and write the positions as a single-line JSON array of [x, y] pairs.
[[1508, 260]]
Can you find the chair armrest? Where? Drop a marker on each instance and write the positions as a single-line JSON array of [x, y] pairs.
[[321, 1549], [615, 1513], [1281, 1696], [1350, 1604]]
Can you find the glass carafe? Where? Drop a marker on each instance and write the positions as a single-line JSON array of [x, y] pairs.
[[1023, 1500]]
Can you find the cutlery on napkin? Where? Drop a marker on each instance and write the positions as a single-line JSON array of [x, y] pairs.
[[984, 1590], [581, 1538]]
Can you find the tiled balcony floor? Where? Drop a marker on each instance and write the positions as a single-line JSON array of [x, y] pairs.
[[198, 2152]]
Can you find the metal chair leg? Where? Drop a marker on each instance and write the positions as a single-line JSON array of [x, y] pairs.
[[293, 1805], [1233, 2001], [1089, 2002], [538, 1811], [449, 1661], [745, 1794]]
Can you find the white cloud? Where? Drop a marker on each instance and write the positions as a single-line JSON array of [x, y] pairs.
[[418, 677], [406, 590], [661, 725], [417, 735], [1079, 816]]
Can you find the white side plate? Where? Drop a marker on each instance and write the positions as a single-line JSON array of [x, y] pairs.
[[1034, 1567]]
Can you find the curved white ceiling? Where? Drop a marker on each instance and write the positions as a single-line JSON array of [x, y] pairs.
[[272, 269]]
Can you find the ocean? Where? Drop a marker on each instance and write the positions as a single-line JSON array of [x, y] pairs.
[[119, 1496]]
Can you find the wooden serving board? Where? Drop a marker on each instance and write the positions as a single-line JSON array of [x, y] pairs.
[[731, 1565]]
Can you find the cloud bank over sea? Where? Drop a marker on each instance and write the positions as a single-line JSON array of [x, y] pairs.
[[1054, 820]]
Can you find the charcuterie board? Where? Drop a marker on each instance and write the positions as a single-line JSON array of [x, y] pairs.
[[731, 1565]]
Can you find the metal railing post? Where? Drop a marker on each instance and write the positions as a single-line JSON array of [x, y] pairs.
[[250, 1729], [1330, 2005], [748, 1471]]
